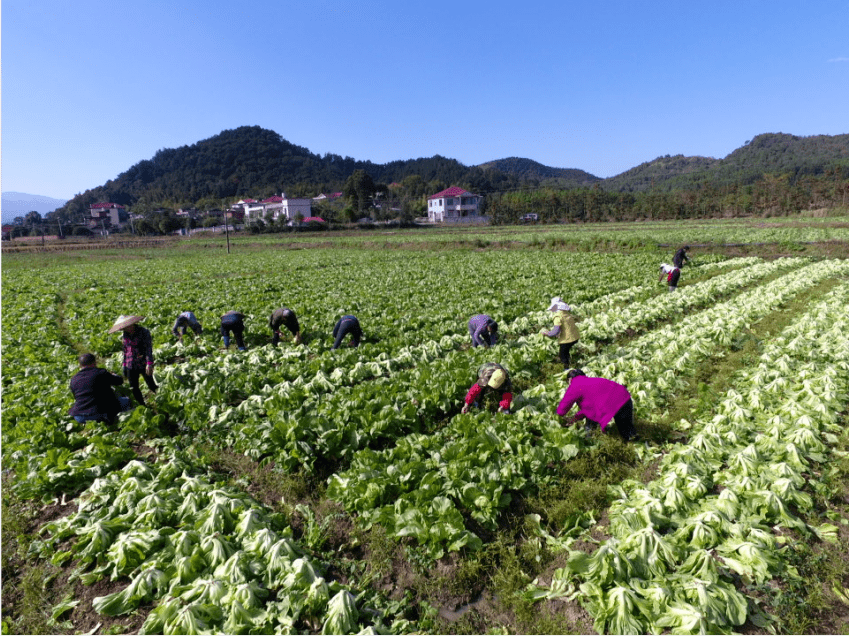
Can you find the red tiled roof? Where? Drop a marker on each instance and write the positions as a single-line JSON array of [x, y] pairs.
[[453, 191], [317, 219], [272, 200], [95, 206]]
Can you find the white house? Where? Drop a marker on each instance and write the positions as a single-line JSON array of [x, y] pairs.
[[453, 205], [279, 207], [105, 214]]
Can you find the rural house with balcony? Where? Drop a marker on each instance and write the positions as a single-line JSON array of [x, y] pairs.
[[105, 215], [454, 205]]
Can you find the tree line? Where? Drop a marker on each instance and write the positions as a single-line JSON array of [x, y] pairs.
[[771, 195]]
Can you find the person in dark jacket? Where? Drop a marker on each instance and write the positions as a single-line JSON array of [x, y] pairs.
[[483, 330], [184, 322], [491, 377], [599, 400], [284, 317], [138, 354], [233, 321], [347, 325], [681, 257], [94, 398]]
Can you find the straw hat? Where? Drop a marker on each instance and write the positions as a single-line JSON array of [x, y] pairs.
[[497, 379], [124, 321]]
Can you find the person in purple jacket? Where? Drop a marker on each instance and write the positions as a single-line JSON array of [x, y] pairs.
[[483, 330], [599, 400]]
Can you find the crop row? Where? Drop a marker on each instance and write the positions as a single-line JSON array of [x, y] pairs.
[[413, 490], [724, 509]]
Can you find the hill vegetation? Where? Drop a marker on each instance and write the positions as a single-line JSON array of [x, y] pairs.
[[768, 154], [534, 172], [773, 173]]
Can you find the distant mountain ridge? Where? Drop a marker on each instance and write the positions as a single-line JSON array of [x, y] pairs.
[[256, 162], [769, 153], [527, 169], [18, 204]]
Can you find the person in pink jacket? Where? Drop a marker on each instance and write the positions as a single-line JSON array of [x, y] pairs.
[[599, 400]]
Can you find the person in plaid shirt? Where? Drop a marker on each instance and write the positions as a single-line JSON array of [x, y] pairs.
[[138, 354]]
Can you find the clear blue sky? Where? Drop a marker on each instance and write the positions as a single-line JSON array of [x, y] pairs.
[[89, 88]]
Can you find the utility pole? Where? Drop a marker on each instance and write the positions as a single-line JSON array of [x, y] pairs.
[[227, 231]]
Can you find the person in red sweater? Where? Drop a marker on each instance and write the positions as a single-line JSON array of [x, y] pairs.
[[491, 377], [599, 400]]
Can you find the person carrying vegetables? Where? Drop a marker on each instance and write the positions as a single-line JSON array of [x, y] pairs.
[[672, 275], [284, 317], [483, 330], [94, 398], [233, 321], [184, 321], [491, 377], [138, 354], [564, 329], [599, 400], [347, 325]]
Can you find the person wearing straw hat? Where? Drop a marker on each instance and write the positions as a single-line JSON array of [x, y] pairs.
[[672, 274], [233, 321], [491, 377], [347, 325], [599, 400], [564, 329], [284, 317], [138, 354], [483, 330], [184, 321]]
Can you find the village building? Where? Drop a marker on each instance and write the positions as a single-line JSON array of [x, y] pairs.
[[105, 215], [280, 207], [454, 205]]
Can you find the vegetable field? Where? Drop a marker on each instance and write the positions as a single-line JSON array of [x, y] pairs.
[[301, 489]]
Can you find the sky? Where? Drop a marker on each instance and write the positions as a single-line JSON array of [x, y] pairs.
[[91, 88]]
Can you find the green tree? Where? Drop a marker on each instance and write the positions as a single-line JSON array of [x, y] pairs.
[[33, 219], [359, 189]]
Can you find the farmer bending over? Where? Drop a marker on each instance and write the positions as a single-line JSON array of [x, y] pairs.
[[184, 321], [491, 377], [233, 321], [483, 330], [284, 317], [599, 400], [347, 325], [672, 274]]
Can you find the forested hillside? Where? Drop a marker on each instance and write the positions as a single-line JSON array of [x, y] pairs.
[[532, 171], [768, 154], [253, 162], [773, 173]]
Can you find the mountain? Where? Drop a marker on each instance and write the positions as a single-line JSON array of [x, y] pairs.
[[18, 204], [529, 170], [766, 154], [254, 162]]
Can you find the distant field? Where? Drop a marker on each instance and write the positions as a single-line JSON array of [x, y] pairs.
[[303, 489]]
